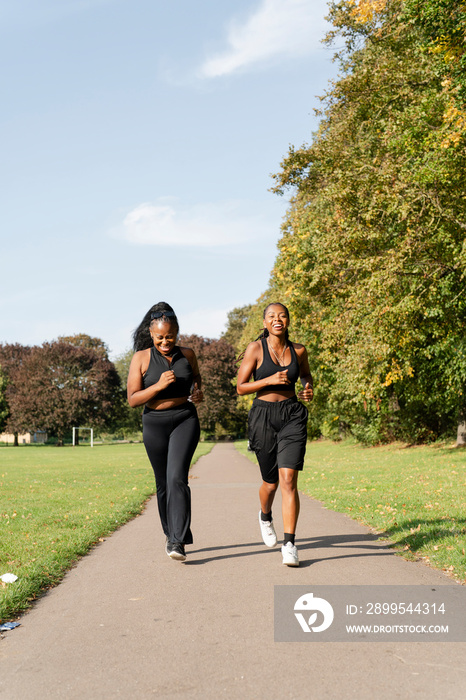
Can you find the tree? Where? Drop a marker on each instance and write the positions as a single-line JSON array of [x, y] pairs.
[[372, 259], [13, 358], [237, 319], [120, 414], [131, 421], [82, 340], [217, 367], [3, 402], [61, 385], [443, 27]]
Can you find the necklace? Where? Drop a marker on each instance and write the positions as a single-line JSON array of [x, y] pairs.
[[279, 359]]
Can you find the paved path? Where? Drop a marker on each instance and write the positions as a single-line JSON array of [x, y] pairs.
[[129, 622]]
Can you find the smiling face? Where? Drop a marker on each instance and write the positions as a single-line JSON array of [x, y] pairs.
[[276, 319], [164, 336]]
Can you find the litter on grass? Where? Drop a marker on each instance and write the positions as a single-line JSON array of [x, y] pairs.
[[8, 578]]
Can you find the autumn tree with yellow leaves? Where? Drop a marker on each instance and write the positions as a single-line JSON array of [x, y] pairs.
[[372, 258]]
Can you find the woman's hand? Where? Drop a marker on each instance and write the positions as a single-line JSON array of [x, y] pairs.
[[306, 394], [166, 378], [278, 378], [197, 396]]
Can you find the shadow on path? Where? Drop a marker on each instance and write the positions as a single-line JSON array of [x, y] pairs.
[[342, 542]]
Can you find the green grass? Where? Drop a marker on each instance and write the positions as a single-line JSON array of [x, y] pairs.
[[415, 496], [56, 503]]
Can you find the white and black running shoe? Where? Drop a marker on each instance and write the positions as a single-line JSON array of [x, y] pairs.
[[267, 532], [177, 551], [290, 555]]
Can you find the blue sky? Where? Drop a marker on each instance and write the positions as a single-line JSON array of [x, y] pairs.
[[138, 142]]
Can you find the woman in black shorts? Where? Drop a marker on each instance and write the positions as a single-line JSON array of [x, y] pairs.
[[277, 421], [165, 378]]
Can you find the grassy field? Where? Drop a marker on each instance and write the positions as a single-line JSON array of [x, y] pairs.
[[415, 496], [56, 503]]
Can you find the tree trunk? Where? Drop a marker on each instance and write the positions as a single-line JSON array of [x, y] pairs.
[[461, 434], [16, 443]]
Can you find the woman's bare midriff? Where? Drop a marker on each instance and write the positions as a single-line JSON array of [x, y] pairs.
[[274, 396], [161, 404]]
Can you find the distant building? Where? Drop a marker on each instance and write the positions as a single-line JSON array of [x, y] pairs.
[[39, 436]]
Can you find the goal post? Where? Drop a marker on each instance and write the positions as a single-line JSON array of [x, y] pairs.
[[79, 428]]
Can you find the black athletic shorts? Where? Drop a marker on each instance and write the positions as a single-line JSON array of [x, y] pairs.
[[278, 435]]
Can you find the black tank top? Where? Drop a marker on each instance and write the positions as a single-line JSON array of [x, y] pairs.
[[269, 367], [180, 366]]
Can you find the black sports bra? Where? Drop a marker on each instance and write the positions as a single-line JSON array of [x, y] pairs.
[[269, 367], [180, 366]]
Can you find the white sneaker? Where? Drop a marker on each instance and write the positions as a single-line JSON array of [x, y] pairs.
[[267, 532], [290, 555]]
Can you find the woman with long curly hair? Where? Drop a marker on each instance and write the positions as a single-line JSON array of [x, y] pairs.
[[165, 379], [277, 421]]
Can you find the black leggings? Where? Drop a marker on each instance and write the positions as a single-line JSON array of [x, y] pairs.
[[170, 438]]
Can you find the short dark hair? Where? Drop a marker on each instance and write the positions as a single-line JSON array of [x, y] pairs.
[[276, 303]]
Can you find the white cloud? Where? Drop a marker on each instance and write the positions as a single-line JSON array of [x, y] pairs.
[[278, 28], [167, 223]]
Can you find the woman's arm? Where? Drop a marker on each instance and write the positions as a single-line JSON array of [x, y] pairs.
[[248, 365], [197, 395], [137, 395], [307, 393], [192, 359]]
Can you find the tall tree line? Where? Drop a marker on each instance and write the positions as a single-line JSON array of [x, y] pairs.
[[218, 412], [72, 382], [60, 384], [372, 258]]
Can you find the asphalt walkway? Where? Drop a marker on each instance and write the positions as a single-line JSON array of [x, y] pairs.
[[129, 622]]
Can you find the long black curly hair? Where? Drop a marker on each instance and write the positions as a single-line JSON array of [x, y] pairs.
[[141, 336]]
